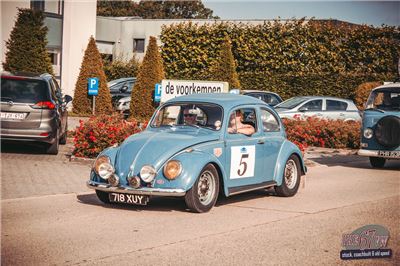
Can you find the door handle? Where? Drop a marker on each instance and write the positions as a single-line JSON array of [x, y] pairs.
[[260, 141]]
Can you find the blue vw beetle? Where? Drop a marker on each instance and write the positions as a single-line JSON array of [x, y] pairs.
[[198, 146]]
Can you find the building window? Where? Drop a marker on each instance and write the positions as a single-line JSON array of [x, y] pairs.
[[37, 5], [53, 58], [138, 45]]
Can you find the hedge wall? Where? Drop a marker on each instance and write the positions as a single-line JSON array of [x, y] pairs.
[[291, 58]]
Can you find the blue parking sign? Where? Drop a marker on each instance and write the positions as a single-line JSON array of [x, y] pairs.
[[157, 92], [93, 86]]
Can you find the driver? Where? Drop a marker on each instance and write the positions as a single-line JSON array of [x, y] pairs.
[[189, 117]]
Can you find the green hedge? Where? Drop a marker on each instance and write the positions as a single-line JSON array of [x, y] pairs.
[[295, 57]]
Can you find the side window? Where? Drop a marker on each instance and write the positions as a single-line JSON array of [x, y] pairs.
[[332, 105], [269, 121], [273, 100], [315, 105], [52, 90], [243, 121]]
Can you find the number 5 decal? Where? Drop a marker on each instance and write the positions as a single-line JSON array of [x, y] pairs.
[[242, 161]]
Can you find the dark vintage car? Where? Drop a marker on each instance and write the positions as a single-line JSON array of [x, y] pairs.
[[33, 109], [120, 88], [198, 147], [380, 136]]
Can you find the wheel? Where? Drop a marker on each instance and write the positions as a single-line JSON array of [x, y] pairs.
[[377, 162], [63, 139], [204, 193], [103, 196], [291, 178], [53, 148]]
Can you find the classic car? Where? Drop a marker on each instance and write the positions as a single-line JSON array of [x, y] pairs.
[[196, 147], [380, 136]]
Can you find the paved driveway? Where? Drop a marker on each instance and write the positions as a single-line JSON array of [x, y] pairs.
[[50, 217]]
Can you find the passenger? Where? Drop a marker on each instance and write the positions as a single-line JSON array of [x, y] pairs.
[[189, 117], [236, 125]]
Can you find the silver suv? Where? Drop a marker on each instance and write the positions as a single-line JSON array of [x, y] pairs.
[[318, 106], [33, 109]]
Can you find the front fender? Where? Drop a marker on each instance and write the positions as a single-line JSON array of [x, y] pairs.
[[288, 148], [192, 164], [111, 152]]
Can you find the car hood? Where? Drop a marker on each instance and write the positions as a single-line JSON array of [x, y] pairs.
[[155, 147]]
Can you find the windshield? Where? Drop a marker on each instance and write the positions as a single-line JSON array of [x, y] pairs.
[[384, 99], [291, 103], [198, 115]]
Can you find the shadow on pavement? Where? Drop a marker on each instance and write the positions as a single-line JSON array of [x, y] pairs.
[[24, 148], [353, 161]]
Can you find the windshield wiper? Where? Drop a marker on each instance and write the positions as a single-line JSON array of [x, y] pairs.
[[375, 109]]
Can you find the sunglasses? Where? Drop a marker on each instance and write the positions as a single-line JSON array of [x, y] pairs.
[[188, 115]]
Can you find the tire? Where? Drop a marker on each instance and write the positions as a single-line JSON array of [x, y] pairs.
[[103, 196], [53, 148], [63, 139], [377, 162], [291, 178], [204, 193]]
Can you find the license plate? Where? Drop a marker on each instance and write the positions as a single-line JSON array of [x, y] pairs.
[[12, 116], [129, 198], [391, 154]]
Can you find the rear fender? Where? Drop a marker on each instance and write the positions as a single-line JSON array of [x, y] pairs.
[[288, 148]]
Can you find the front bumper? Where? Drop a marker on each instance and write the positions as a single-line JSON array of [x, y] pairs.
[[375, 153], [137, 191]]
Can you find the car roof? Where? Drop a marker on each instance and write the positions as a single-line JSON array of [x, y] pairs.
[[250, 91], [226, 100], [323, 97], [390, 85], [27, 75]]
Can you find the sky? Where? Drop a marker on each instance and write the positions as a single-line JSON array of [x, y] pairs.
[[373, 13]]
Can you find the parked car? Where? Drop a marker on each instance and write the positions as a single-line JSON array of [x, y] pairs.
[[268, 97], [187, 151], [33, 109], [319, 106], [120, 88], [380, 136], [123, 105]]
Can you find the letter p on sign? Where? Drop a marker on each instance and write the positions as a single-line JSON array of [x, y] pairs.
[[93, 86]]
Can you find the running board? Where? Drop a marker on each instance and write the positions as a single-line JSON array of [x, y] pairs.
[[243, 189]]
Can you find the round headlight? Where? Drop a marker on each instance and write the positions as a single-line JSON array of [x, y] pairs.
[[368, 133], [103, 167], [172, 169], [147, 173]]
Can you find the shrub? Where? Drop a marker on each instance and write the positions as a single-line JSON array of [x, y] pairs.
[[151, 72], [323, 133], [100, 132], [224, 67], [26, 48], [92, 66], [363, 91], [121, 69]]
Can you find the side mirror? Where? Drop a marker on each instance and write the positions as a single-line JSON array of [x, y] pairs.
[[303, 109], [67, 98], [123, 88]]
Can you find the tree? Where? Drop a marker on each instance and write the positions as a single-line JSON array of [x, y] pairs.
[[26, 48], [150, 72], [119, 68], [156, 9], [224, 67], [91, 67]]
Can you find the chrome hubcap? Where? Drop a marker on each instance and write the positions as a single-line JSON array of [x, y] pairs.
[[206, 187], [290, 174]]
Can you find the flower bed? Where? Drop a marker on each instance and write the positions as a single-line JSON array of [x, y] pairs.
[[323, 133], [100, 132]]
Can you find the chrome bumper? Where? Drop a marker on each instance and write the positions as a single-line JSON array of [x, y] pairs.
[[137, 191], [373, 153]]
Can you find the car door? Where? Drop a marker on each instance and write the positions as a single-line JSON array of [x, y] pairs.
[[244, 154], [336, 109], [62, 108], [273, 137], [311, 108]]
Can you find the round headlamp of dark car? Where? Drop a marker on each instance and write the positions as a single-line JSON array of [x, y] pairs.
[[368, 133]]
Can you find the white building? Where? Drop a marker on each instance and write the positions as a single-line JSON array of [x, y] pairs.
[[70, 23]]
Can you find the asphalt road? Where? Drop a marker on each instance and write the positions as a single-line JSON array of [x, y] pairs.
[[50, 217]]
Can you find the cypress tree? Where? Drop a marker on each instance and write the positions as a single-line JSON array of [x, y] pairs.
[[92, 67], [224, 68], [150, 72], [26, 47]]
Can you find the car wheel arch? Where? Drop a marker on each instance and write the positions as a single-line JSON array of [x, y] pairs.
[[288, 149]]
